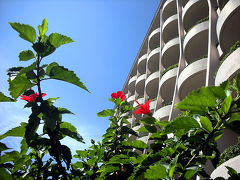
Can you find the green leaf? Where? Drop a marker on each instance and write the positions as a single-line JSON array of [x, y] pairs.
[[57, 39], [44, 48], [9, 156], [63, 74], [119, 159], [148, 129], [139, 144], [206, 123], [32, 127], [66, 155], [199, 100], [52, 100], [24, 146], [148, 120], [25, 31], [225, 85], [4, 98], [4, 175], [226, 103], [43, 27], [191, 171], [234, 117], [29, 68], [77, 165], [3, 147], [231, 171], [237, 82], [105, 113], [64, 111], [49, 67], [155, 172], [173, 165], [15, 132], [109, 169], [80, 154], [127, 108], [69, 130], [18, 85], [127, 130], [185, 123], [26, 55]]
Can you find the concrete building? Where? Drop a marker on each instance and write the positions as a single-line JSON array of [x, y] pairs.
[[181, 52]]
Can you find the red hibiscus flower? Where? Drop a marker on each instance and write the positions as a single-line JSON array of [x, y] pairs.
[[117, 95], [31, 97], [144, 108]]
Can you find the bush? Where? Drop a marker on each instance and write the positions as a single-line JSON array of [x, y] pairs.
[[230, 152]]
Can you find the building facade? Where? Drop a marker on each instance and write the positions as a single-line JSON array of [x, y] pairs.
[[186, 47]]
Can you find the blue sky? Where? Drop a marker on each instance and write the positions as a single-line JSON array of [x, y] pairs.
[[107, 35]]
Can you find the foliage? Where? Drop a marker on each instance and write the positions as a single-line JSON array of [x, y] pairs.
[[112, 158], [176, 149], [42, 155], [230, 152], [167, 69]]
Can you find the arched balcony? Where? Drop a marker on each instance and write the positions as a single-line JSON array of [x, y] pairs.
[[192, 77], [152, 85], [228, 25], [170, 53], [196, 42]]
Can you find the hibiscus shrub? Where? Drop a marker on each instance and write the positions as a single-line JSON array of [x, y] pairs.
[[32, 162]]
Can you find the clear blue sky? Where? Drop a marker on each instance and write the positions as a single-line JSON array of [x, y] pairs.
[[107, 35]]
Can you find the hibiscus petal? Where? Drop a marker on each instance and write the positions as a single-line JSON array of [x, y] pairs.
[[114, 95], [119, 94]]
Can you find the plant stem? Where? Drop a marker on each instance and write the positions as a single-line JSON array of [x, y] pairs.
[[38, 78]]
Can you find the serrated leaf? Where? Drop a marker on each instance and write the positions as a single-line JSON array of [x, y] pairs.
[[200, 100], [139, 144], [25, 31], [69, 130], [105, 113], [57, 39], [4, 98], [49, 67], [63, 74], [64, 111], [18, 85], [26, 55], [155, 172], [206, 123], [185, 123], [15, 132], [43, 27]]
